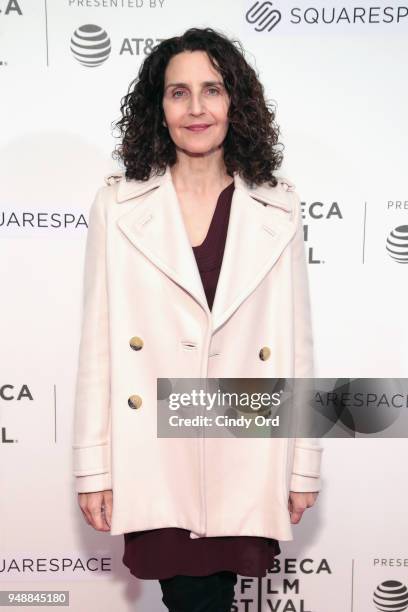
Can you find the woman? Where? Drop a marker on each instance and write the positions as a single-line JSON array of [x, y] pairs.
[[216, 287]]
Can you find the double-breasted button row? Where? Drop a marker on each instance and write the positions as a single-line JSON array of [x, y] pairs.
[[136, 343], [264, 353]]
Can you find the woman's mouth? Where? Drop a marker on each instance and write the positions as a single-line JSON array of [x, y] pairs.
[[199, 127]]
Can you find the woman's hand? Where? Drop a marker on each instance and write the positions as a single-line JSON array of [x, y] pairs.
[[298, 502], [97, 509]]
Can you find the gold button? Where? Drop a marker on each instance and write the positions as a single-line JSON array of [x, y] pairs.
[[135, 401], [136, 343], [264, 353]]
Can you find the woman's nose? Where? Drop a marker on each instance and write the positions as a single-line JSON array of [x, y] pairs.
[[196, 104]]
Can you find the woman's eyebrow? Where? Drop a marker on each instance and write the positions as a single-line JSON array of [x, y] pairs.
[[205, 83]]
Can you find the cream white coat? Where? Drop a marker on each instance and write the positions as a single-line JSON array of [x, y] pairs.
[[141, 279]]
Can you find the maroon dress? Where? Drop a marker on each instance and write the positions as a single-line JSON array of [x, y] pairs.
[[165, 552]]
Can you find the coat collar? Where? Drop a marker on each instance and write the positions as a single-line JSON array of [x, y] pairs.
[[256, 236], [132, 189]]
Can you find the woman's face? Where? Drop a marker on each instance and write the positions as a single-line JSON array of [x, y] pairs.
[[194, 95]]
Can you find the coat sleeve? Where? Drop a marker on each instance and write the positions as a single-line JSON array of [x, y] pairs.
[[307, 451], [91, 430]]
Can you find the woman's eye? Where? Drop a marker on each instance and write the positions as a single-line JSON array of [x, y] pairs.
[[213, 91]]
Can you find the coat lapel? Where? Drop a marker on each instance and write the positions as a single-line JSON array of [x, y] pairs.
[[255, 239], [156, 227]]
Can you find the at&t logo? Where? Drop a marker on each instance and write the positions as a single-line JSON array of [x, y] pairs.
[[90, 45]]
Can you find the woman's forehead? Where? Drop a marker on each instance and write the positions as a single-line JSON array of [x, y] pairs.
[[188, 62]]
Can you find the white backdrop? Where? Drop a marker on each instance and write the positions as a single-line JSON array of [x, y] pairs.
[[341, 95]]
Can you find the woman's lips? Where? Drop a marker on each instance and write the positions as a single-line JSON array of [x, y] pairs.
[[198, 128]]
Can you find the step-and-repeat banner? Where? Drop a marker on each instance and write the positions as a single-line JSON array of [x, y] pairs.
[[336, 73]]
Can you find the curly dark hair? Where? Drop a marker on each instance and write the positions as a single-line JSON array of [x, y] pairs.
[[250, 146]]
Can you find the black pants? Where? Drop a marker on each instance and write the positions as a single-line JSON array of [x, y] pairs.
[[213, 593]]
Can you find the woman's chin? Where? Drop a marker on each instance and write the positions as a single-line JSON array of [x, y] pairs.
[[196, 150]]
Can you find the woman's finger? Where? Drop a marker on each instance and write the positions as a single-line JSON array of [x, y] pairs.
[[108, 498], [96, 510], [83, 504]]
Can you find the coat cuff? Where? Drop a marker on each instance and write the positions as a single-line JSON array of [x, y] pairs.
[[304, 484], [94, 483], [92, 468], [306, 468], [89, 460]]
